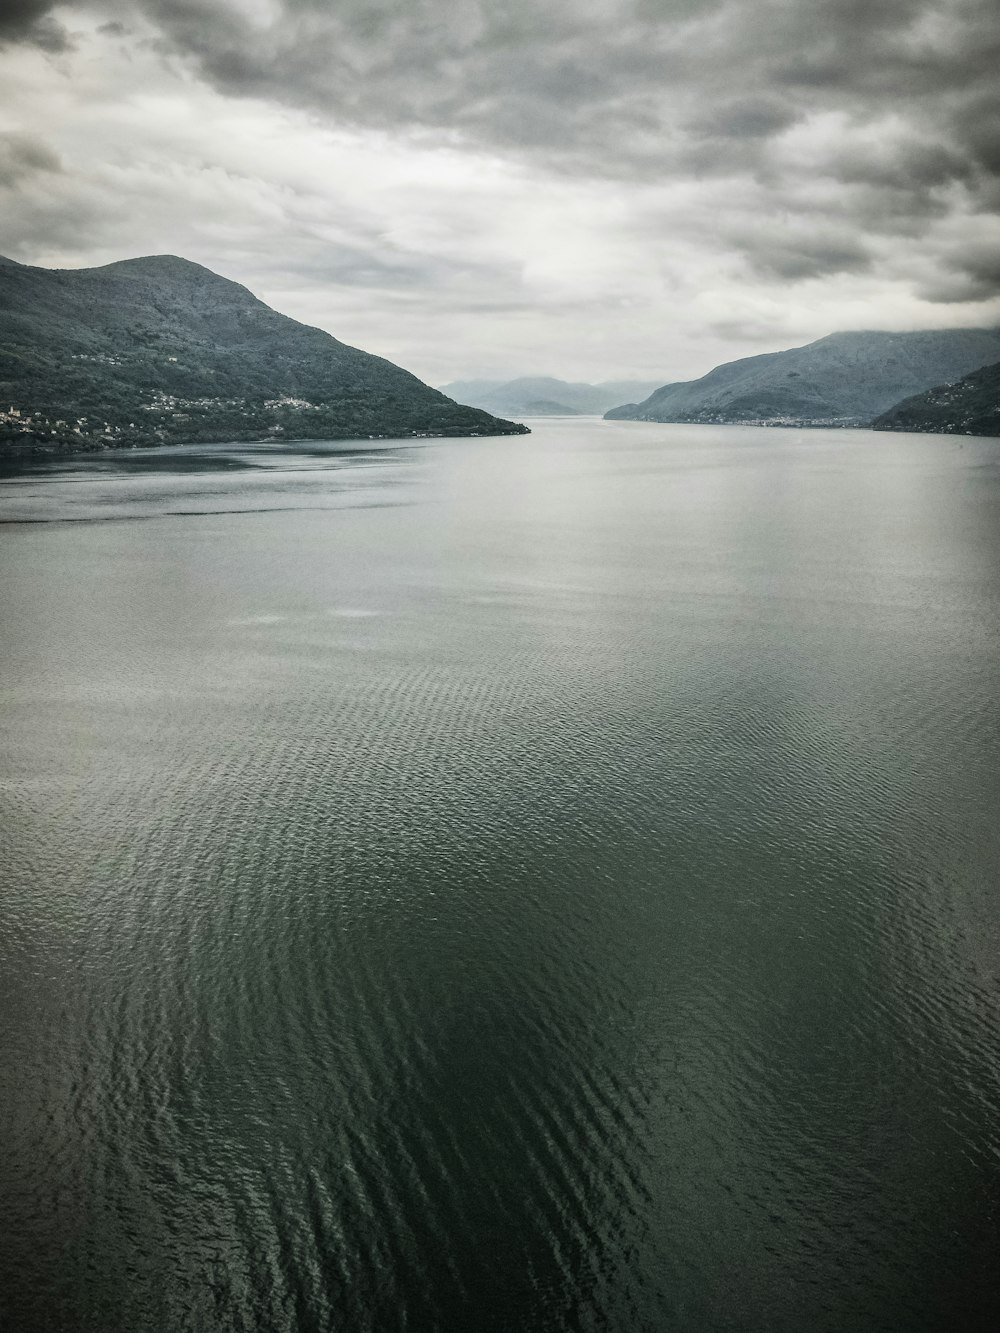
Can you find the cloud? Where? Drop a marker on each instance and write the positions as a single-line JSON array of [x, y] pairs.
[[757, 117], [598, 83], [894, 104], [24, 155], [30, 22], [600, 187], [777, 254], [969, 274]]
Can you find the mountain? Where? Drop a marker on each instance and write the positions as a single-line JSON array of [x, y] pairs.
[[845, 379], [160, 350], [542, 396], [969, 407]]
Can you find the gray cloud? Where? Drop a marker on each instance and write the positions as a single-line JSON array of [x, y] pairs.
[[372, 262], [970, 274], [690, 161], [977, 122], [752, 66], [30, 21], [757, 117], [644, 89], [622, 88], [808, 256], [24, 155]]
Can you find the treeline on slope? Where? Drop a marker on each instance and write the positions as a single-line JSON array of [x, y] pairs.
[[969, 407], [845, 379], [160, 350]]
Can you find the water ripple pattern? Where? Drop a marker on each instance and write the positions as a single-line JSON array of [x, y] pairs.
[[532, 884]]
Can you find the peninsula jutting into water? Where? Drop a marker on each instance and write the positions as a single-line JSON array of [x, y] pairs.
[[163, 351]]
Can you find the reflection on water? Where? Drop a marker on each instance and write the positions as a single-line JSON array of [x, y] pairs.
[[540, 883], [199, 479]]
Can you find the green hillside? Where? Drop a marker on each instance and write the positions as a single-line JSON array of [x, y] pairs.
[[969, 407], [845, 379], [160, 350]]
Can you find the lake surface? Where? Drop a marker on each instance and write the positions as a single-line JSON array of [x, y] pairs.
[[543, 883]]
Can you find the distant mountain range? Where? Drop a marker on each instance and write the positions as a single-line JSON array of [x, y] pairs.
[[971, 406], [542, 396], [845, 379], [160, 350]]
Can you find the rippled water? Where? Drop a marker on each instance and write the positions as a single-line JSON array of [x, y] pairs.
[[529, 884]]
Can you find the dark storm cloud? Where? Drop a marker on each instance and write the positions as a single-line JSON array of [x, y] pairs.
[[599, 82], [970, 274], [794, 248], [24, 155], [915, 165], [377, 264], [882, 118], [645, 89], [977, 121], [796, 262], [747, 118], [794, 258], [450, 62], [603, 85], [30, 21]]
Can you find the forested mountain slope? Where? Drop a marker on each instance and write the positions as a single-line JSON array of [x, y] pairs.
[[969, 407], [842, 379], [158, 350]]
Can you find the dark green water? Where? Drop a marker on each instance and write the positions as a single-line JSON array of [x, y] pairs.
[[531, 884]]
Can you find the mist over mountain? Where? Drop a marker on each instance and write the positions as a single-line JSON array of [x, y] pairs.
[[843, 379], [160, 350], [544, 396], [971, 406]]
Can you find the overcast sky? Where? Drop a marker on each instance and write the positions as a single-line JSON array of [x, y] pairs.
[[594, 189]]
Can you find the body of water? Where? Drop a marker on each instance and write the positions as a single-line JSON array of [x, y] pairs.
[[541, 883]]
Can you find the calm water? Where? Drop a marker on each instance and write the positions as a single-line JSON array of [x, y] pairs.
[[532, 884]]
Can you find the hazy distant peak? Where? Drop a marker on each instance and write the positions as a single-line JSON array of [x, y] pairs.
[[544, 395]]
